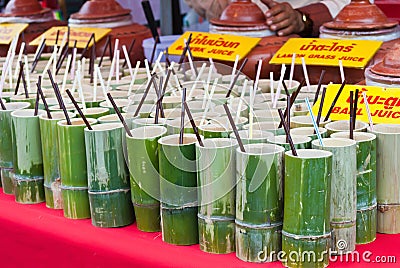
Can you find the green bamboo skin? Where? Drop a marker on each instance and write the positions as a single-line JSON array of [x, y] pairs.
[[216, 235], [309, 132], [366, 185], [258, 243], [111, 209], [48, 134], [214, 131], [29, 191], [216, 166], [177, 168], [72, 157], [95, 112], [105, 160], [307, 206], [388, 177], [179, 226], [259, 136], [343, 125], [259, 200], [142, 150], [75, 202], [27, 156], [7, 182], [343, 191], [300, 142]]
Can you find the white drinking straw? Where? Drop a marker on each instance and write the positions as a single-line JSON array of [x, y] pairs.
[[112, 68], [271, 85], [128, 61], [83, 67], [21, 51], [80, 89], [292, 70], [146, 64], [95, 83], [197, 80], [371, 123], [27, 73], [314, 122], [257, 76], [234, 67], [117, 66], [303, 62], [55, 60], [103, 87], [48, 65], [279, 89], [64, 83], [158, 65], [239, 108], [133, 77], [207, 86], [341, 70], [74, 52], [203, 118], [38, 47], [64, 40]]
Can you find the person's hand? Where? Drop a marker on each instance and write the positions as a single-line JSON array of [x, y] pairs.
[[282, 18]]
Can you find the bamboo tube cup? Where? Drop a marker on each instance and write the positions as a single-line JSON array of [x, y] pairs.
[[343, 193], [259, 201], [73, 168], [388, 177], [144, 175], [7, 146], [216, 165], [366, 185], [27, 157], [50, 151], [178, 189], [108, 177], [307, 207]]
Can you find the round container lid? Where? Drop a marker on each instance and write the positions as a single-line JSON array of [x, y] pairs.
[[241, 13], [390, 66], [95, 9], [21, 8], [361, 15]]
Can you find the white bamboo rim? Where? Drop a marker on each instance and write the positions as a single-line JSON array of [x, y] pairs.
[[215, 128], [172, 100], [168, 113], [232, 108], [56, 116], [105, 127], [224, 121], [149, 121], [95, 110], [313, 89], [357, 136], [68, 106], [306, 131], [227, 78], [261, 149], [209, 115], [54, 101], [110, 118], [265, 126], [116, 93], [137, 97], [175, 123], [281, 139], [6, 93], [12, 106], [387, 129], [173, 140], [26, 113], [147, 132], [146, 108], [118, 103], [257, 134], [217, 143], [334, 143], [344, 125], [310, 153], [21, 96], [306, 119], [268, 105], [198, 105], [76, 122]]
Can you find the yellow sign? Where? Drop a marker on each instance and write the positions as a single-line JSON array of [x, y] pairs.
[[384, 104], [9, 30], [81, 35], [217, 46], [327, 52]]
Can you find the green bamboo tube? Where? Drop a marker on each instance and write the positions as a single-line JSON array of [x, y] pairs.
[[305, 121], [108, 180], [75, 202], [52, 180], [73, 168], [267, 126], [366, 185], [93, 104], [27, 156], [343, 192], [178, 181], [344, 125], [309, 132], [259, 136], [6, 145], [215, 131], [300, 142], [388, 177], [22, 98], [259, 201], [307, 207], [95, 112], [216, 164], [144, 177]]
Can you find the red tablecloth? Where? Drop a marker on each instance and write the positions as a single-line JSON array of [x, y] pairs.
[[34, 236]]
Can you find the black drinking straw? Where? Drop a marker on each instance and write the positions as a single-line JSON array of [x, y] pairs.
[[321, 105], [39, 88], [78, 109], [182, 130], [288, 114], [239, 140], [21, 66], [92, 61], [36, 60], [21, 70], [195, 129], [87, 45], [144, 95], [319, 85], [287, 131], [159, 94], [183, 55], [355, 108], [2, 104], [285, 88], [292, 99], [62, 58], [335, 100], [108, 44], [59, 97], [121, 118], [36, 104], [153, 52], [129, 52], [159, 97], [236, 77], [151, 22], [351, 115], [58, 34]]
